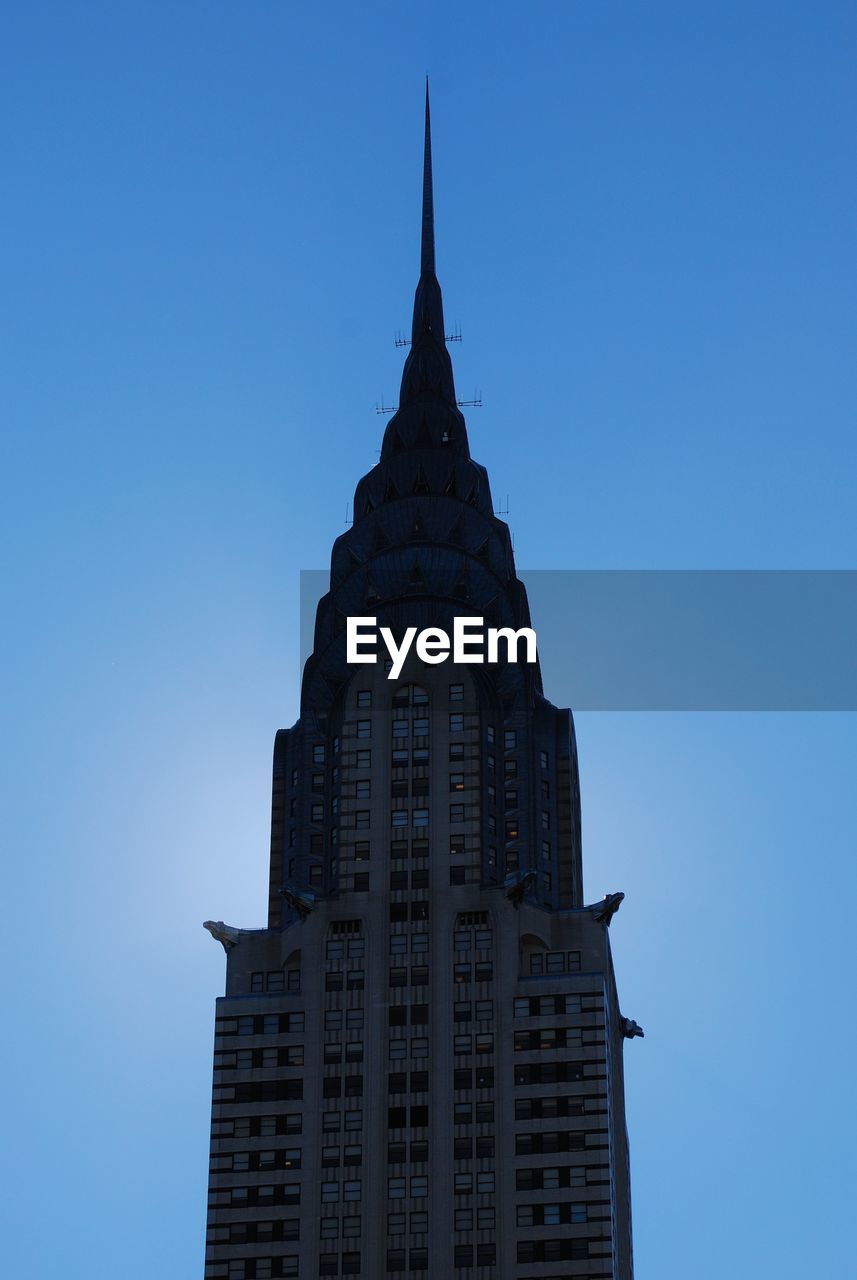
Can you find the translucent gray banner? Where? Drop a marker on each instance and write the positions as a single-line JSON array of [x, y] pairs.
[[684, 640]]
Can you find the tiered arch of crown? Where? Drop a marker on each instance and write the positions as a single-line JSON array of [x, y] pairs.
[[425, 544]]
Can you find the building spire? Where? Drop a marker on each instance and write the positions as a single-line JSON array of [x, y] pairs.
[[427, 255], [428, 370]]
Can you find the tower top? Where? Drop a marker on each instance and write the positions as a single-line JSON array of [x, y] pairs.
[[427, 253], [428, 370]]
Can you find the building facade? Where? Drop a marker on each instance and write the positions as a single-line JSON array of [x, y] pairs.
[[418, 1063]]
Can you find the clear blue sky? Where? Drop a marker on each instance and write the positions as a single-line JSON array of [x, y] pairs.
[[646, 223]]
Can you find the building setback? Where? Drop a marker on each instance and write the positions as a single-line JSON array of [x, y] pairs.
[[418, 1063]]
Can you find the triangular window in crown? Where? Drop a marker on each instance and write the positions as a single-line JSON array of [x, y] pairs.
[[449, 489], [368, 505], [380, 542], [423, 437], [492, 612], [416, 582], [390, 490], [461, 590], [421, 484], [471, 498], [482, 551]]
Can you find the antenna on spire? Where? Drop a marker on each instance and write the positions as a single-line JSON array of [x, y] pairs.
[[427, 247], [401, 341]]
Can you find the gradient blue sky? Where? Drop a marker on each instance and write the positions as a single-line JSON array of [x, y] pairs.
[[209, 235]]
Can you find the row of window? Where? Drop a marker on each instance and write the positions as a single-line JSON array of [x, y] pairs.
[[417, 909], [275, 981], [402, 1153], [548, 1038], [279, 1193], [252, 1269], [268, 1024], [351, 1051], [258, 1126], [415, 1117], [417, 1259], [467, 939], [482, 971], [332, 1157], [551, 1073], [541, 1006], [400, 880], [546, 1143], [336, 1019], [332, 1226], [419, 942], [473, 1077], [418, 1048], [555, 1250], [285, 1229], [398, 976], [246, 1059], [363, 729], [412, 695], [350, 980], [559, 1177], [337, 1086], [252, 1161], [332, 1121], [349, 1190], [260, 1091], [544, 962], [460, 845], [549, 1107], [551, 1215], [398, 1082], [466, 1010], [333, 1265]]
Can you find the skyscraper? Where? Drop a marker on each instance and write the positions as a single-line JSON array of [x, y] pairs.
[[418, 1063]]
